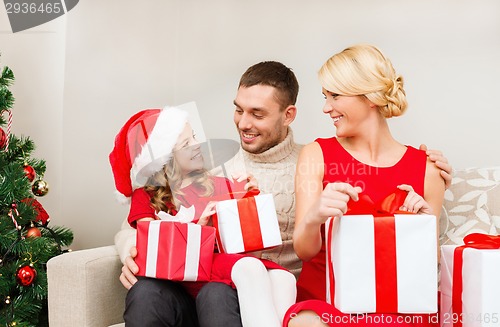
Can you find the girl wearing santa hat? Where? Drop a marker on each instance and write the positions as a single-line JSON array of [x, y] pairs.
[[158, 166]]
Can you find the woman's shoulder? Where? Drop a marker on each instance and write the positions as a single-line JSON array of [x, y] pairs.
[[411, 150], [321, 149], [311, 154], [414, 159], [432, 172], [310, 149]]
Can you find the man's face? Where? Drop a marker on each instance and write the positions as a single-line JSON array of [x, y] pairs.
[[258, 118]]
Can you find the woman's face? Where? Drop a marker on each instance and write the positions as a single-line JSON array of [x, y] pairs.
[[187, 152], [348, 113]]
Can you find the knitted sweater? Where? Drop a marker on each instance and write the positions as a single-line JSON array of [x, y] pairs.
[[274, 171]]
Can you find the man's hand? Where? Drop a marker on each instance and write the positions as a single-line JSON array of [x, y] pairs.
[[441, 162], [250, 181], [129, 269]]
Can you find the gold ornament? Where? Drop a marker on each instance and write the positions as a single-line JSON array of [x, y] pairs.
[[40, 187]]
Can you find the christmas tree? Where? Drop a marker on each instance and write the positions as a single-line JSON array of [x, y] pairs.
[[26, 240]]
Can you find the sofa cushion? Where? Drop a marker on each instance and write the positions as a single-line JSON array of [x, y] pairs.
[[471, 205]]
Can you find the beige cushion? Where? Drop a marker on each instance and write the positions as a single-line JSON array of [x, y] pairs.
[[84, 289], [471, 205]]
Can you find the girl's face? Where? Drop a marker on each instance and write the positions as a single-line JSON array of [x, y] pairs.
[[187, 152]]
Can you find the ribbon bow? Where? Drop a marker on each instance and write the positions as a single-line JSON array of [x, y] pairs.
[[474, 241], [482, 241], [184, 215], [388, 206]]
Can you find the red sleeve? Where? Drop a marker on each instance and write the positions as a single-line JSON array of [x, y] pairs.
[[140, 207], [225, 185]]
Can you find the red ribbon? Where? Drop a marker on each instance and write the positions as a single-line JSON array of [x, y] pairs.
[[385, 245], [250, 226], [233, 195], [474, 241], [388, 206]]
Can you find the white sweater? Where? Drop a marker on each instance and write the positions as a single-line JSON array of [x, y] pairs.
[[274, 171]]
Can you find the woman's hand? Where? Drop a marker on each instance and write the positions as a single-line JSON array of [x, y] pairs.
[[333, 201], [251, 182], [414, 202], [207, 213]]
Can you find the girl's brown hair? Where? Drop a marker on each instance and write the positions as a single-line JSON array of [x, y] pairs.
[[165, 186]]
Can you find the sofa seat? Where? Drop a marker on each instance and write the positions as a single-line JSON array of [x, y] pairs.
[[84, 289]]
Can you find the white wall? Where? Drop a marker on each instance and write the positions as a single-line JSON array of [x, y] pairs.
[[86, 76]]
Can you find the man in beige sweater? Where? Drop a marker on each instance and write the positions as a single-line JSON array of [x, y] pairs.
[[264, 110]]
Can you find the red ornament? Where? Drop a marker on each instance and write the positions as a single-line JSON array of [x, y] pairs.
[[3, 139], [41, 214], [25, 275], [29, 172], [33, 232]]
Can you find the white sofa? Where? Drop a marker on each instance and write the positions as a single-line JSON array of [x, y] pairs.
[[84, 290]]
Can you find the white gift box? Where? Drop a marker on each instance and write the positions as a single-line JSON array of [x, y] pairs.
[[481, 287], [353, 258], [247, 224]]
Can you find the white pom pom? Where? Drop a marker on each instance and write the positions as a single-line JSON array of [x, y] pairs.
[[122, 199]]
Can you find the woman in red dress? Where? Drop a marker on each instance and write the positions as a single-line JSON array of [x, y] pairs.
[[362, 90]]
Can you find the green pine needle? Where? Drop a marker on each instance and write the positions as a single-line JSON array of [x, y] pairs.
[[26, 306]]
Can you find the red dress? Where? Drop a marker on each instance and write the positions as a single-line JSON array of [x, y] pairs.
[[376, 182], [140, 205], [192, 195]]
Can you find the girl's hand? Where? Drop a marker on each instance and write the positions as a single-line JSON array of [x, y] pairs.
[[414, 202], [251, 181], [207, 213], [333, 200]]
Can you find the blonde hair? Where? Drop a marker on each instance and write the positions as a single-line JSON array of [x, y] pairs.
[[364, 70], [165, 186]]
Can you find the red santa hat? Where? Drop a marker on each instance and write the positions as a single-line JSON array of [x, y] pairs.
[[144, 145]]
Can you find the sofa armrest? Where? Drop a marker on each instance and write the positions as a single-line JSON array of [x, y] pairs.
[[84, 289]]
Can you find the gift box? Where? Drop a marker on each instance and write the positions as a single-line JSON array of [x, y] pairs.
[[174, 250], [382, 261], [470, 283], [247, 224]]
